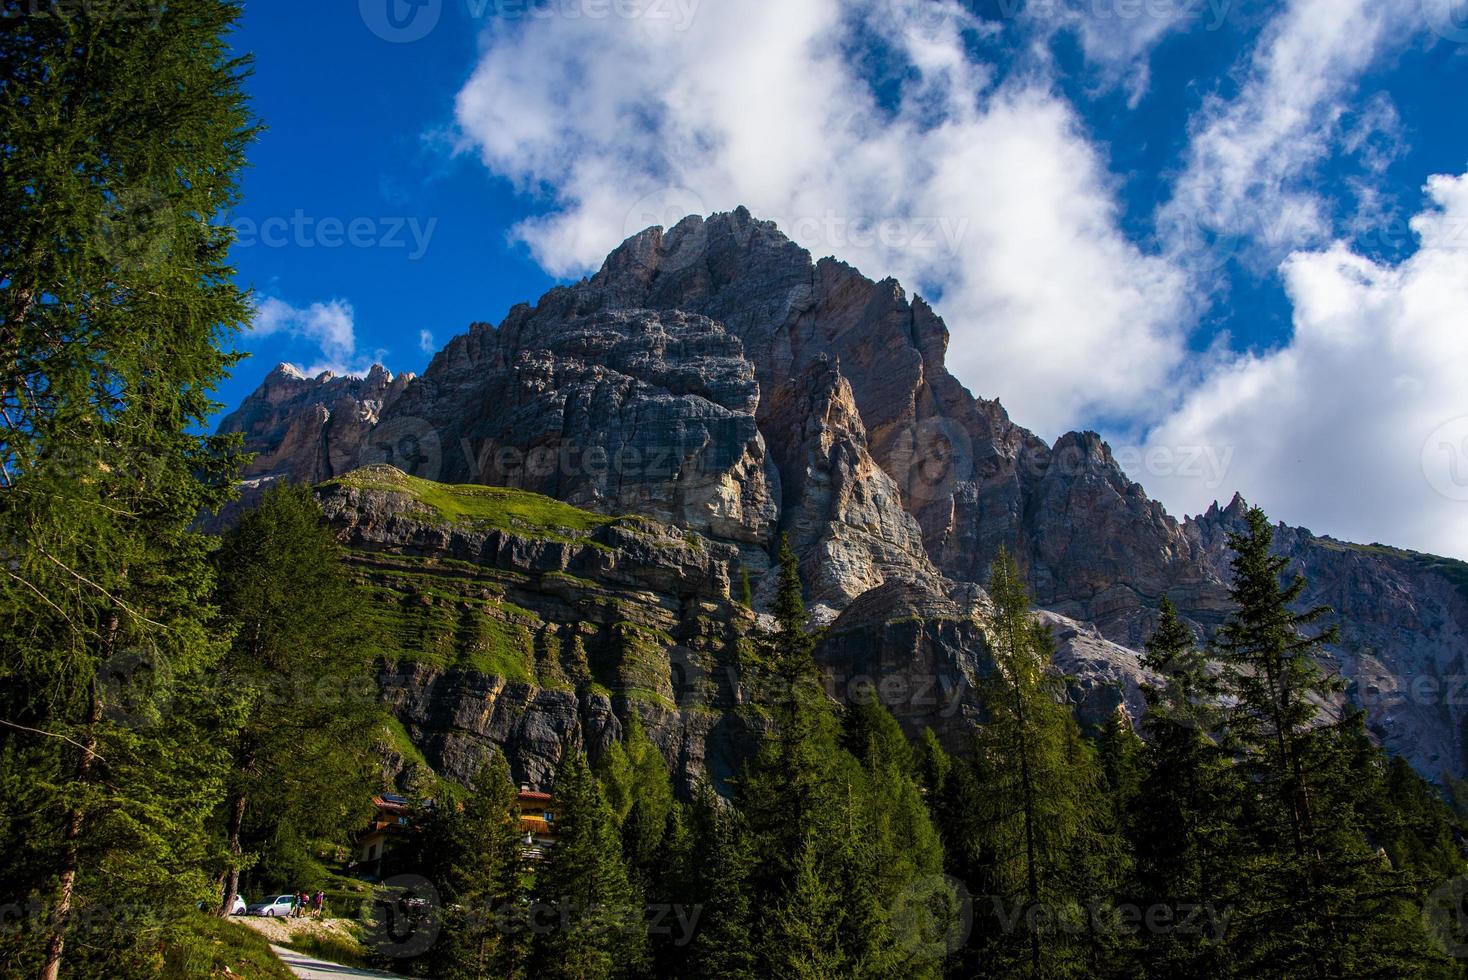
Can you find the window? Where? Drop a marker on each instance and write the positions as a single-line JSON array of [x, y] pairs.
[[549, 816]]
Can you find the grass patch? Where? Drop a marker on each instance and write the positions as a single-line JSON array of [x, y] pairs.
[[396, 738], [501, 508], [205, 946], [1455, 571], [447, 630]]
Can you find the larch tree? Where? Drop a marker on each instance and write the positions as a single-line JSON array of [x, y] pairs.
[[1037, 792], [123, 129], [301, 674]]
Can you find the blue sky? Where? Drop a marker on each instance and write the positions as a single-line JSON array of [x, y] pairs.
[[1232, 237]]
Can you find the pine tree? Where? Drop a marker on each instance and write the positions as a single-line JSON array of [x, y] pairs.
[[586, 915], [477, 865], [118, 147], [1321, 902], [303, 677], [1184, 821]]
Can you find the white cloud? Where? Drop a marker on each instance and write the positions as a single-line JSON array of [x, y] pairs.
[[425, 342], [329, 327], [1357, 428], [992, 193], [1117, 38], [1248, 163]]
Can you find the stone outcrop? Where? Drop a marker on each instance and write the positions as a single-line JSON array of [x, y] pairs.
[[527, 638], [306, 430], [844, 513]]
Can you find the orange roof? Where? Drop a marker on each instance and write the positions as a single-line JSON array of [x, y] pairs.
[[526, 794]]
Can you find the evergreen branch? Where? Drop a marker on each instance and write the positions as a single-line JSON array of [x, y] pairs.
[[111, 598], [44, 598], [37, 731]]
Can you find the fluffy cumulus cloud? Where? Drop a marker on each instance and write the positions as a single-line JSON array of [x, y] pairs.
[[1359, 426], [328, 329], [986, 192]]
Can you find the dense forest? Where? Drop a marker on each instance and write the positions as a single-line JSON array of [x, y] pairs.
[[165, 739]]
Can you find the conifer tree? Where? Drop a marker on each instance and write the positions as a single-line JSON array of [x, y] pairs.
[[302, 676], [634, 777], [1320, 900], [899, 870], [120, 143], [723, 882], [1037, 794], [586, 916], [1184, 823], [476, 863]]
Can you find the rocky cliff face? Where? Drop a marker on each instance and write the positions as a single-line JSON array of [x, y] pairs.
[[505, 622], [306, 430], [714, 377]]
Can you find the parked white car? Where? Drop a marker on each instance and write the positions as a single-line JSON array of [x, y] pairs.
[[274, 906], [240, 906]]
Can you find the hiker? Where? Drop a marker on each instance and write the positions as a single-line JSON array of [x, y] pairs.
[[317, 902]]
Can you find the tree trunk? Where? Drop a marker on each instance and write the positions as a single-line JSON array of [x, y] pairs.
[[232, 876], [75, 823]]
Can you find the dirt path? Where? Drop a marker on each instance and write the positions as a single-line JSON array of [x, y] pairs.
[[313, 969], [277, 931]]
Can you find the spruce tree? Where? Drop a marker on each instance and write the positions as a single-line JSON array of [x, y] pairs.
[[302, 675], [586, 915], [477, 865], [724, 885], [1320, 901], [120, 143], [1184, 822]]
